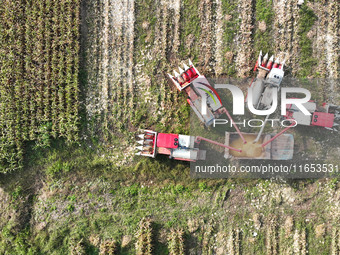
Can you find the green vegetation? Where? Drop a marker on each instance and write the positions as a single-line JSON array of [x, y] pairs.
[[231, 25], [190, 30], [263, 39], [87, 206], [39, 75], [307, 60]]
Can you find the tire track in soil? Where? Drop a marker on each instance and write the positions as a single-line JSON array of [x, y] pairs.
[[233, 242], [300, 243]]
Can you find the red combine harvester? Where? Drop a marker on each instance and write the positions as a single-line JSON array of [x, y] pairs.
[[179, 147], [269, 76], [196, 86], [182, 147], [327, 116]]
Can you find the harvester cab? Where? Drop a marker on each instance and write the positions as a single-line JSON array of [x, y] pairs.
[[269, 76], [199, 91]]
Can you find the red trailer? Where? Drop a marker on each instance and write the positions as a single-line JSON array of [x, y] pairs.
[[327, 116]]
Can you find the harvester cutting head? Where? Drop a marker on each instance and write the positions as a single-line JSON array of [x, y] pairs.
[[179, 147], [270, 69], [147, 142], [185, 76]]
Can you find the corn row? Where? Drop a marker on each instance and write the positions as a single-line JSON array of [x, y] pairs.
[[39, 58], [144, 238], [176, 242]]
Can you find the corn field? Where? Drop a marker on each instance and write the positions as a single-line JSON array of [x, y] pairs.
[[39, 59], [132, 44]]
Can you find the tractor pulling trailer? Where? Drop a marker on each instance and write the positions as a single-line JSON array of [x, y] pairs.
[[179, 147], [186, 148]]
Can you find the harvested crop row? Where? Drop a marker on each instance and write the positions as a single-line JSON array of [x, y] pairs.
[[219, 37], [231, 24], [245, 48], [332, 40], [206, 16], [264, 39]]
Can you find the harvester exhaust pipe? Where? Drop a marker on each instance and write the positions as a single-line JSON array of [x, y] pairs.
[[261, 130], [199, 138], [235, 126]]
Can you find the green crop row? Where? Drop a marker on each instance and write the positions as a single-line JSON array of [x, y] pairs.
[[39, 75]]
